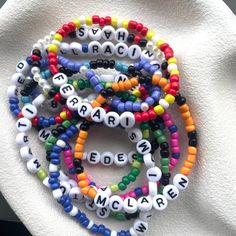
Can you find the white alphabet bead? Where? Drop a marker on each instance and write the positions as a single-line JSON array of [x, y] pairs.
[[140, 227], [98, 114], [93, 157], [159, 202], [180, 181], [120, 77], [23, 67], [94, 48], [116, 203], [89, 204], [23, 124], [108, 32], [107, 158], [134, 52], [33, 165], [18, 79], [82, 33], [95, 33], [143, 146], [127, 119], [106, 190], [121, 35], [76, 194], [72, 102], [29, 111], [76, 48], [145, 203], [112, 119], [67, 90], [132, 156], [59, 79], [135, 135], [65, 48], [121, 49], [26, 153], [84, 109], [12, 91], [145, 216], [130, 205], [148, 160], [22, 139], [154, 174], [103, 212], [170, 192], [65, 187], [120, 159], [108, 49], [147, 55], [101, 199]]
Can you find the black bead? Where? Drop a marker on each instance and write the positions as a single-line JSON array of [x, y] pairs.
[[52, 93], [72, 35], [48, 158], [36, 63], [192, 134], [79, 170], [61, 129], [93, 64], [62, 69], [110, 92], [165, 180], [104, 93], [130, 38], [193, 142], [84, 126], [63, 101], [24, 93], [55, 132], [164, 146], [148, 79], [33, 83], [69, 72], [131, 70], [28, 87], [142, 43], [137, 73], [38, 127], [164, 153], [100, 63], [36, 52], [154, 125], [180, 100], [105, 64], [112, 64], [164, 65], [77, 162], [128, 216], [141, 79], [167, 75]]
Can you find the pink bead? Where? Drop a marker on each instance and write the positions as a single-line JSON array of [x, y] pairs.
[[145, 190], [174, 142], [171, 167], [158, 184], [123, 198], [67, 161], [67, 153], [175, 135], [132, 194], [173, 161], [70, 165], [175, 149], [165, 116], [169, 123]]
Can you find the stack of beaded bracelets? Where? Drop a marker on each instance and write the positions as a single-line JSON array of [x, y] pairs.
[[132, 97]]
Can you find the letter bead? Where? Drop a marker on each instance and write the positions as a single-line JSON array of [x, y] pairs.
[[59, 79], [108, 33], [180, 181], [135, 135], [108, 49], [112, 119], [84, 109], [127, 119], [130, 205], [72, 102], [154, 174], [107, 158], [95, 33], [89, 204], [29, 111], [23, 67], [121, 35], [140, 227], [116, 203], [120, 159], [98, 114], [145, 203], [103, 212], [145, 215], [22, 139], [93, 157], [101, 199], [170, 192], [94, 48], [148, 160], [18, 79], [121, 49], [26, 153], [159, 202], [23, 124], [44, 134], [67, 90], [143, 147], [134, 52], [82, 33], [33, 165]]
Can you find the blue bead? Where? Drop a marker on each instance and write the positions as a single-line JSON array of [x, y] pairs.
[[129, 106], [77, 66], [89, 74], [13, 107], [150, 101], [41, 119], [54, 174], [84, 48], [29, 60], [122, 233], [56, 149], [72, 171], [54, 155], [64, 137], [77, 216], [52, 120], [67, 147], [153, 69], [125, 68], [52, 180], [147, 66], [101, 229], [82, 217], [138, 192], [121, 107], [85, 223], [115, 102], [62, 199], [175, 155], [55, 161], [92, 184], [16, 112], [94, 229], [98, 88], [68, 208], [107, 232], [46, 123], [94, 80], [173, 128], [142, 63], [128, 233], [13, 100], [55, 186], [69, 133], [67, 203], [118, 66], [136, 106], [71, 66]]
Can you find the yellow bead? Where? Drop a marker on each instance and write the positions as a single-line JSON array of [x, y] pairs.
[[125, 23], [114, 22], [150, 35], [75, 85], [63, 115], [159, 109], [160, 42], [88, 20], [53, 48], [170, 98], [76, 22], [114, 188], [146, 133], [58, 37], [137, 93], [172, 60], [174, 72], [136, 164], [138, 100]]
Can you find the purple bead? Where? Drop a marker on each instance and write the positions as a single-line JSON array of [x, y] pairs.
[[98, 88], [71, 65], [142, 63], [77, 66], [137, 66], [147, 66], [156, 95], [94, 80], [129, 106], [115, 102], [121, 107], [152, 69], [89, 74], [150, 101], [136, 106]]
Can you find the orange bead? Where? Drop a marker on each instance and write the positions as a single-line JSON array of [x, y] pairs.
[[166, 88], [192, 150], [83, 134], [186, 115], [155, 79], [191, 158], [184, 108], [80, 141], [185, 171], [190, 128], [85, 190], [92, 193], [79, 147], [127, 85], [121, 86], [189, 121], [78, 155], [188, 164], [95, 104], [163, 82], [100, 99], [134, 82], [82, 176], [115, 87], [83, 183]]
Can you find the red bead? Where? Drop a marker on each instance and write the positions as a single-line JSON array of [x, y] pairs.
[[144, 31], [169, 55], [107, 108], [20, 115], [107, 20], [52, 55], [72, 26], [139, 27], [96, 19], [57, 97], [152, 114], [137, 39], [35, 57], [53, 61], [172, 92], [35, 121], [145, 116], [132, 24], [142, 90], [138, 117], [175, 86], [174, 78], [58, 119], [66, 28], [53, 69], [68, 114], [164, 46], [62, 32], [102, 22], [168, 49]]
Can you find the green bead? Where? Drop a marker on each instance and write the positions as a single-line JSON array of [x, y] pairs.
[[157, 133], [52, 139], [135, 172], [132, 98], [81, 84], [120, 216], [103, 84], [48, 146], [87, 83], [74, 122], [42, 174], [146, 134], [165, 169], [70, 81], [125, 96], [164, 161], [131, 177], [161, 139], [139, 157], [125, 180], [119, 94], [144, 125], [136, 164], [114, 188], [122, 186], [160, 189], [66, 123], [108, 85]]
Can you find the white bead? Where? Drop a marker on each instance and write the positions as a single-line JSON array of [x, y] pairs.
[[171, 67], [74, 211], [89, 204], [52, 167], [91, 97], [121, 35], [116, 203], [35, 70], [144, 106], [159, 202], [180, 181], [107, 158], [120, 77], [90, 225], [108, 32], [140, 227], [127, 119], [71, 182], [37, 77], [164, 103], [98, 114], [45, 182], [94, 48], [154, 174], [75, 193], [12, 91], [145, 216], [95, 33], [72, 102], [106, 190], [93, 157], [148, 160], [84, 109], [23, 124], [76, 48], [149, 45], [57, 193], [112, 119], [147, 55], [61, 143], [152, 187], [36, 46], [29, 111], [82, 20], [18, 79], [143, 146], [59, 79], [108, 49], [22, 139], [113, 233], [107, 78], [67, 90], [23, 67], [26, 153], [56, 42], [134, 52], [132, 156], [135, 135], [156, 63], [82, 33], [120, 159], [65, 187], [46, 88], [121, 49], [83, 70], [103, 212], [101, 199], [145, 203], [65, 48], [132, 232], [33, 165], [39, 100], [170, 192], [130, 205]]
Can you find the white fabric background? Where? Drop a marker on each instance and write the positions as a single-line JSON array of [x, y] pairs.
[[203, 36]]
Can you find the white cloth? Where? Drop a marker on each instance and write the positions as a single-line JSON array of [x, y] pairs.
[[203, 36]]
